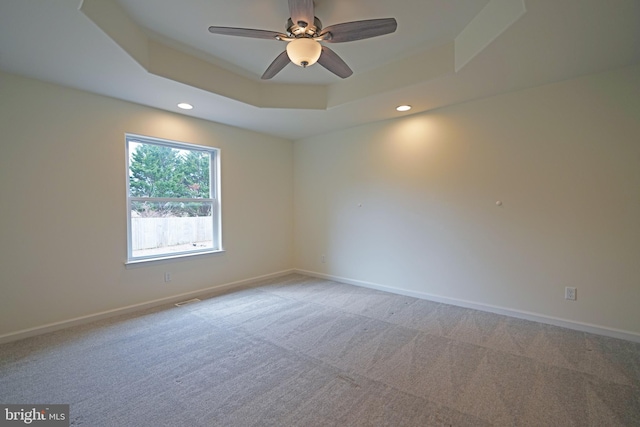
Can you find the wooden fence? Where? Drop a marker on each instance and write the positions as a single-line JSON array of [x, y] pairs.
[[149, 233]]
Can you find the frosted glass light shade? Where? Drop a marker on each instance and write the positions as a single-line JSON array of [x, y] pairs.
[[304, 51]]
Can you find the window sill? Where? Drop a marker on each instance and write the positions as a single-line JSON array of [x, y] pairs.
[[135, 262]]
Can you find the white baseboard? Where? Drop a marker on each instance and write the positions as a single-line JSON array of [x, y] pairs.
[[536, 317], [579, 326], [51, 327]]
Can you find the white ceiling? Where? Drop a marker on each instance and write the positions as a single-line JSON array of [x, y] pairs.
[[424, 24], [56, 41]]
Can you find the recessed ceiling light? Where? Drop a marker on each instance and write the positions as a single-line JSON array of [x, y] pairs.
[[185, 106], [404, 108]]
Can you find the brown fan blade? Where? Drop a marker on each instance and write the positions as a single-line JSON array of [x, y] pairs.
[[301, 11], [358, 30], [276, 66], [246, 32], [332, 62]]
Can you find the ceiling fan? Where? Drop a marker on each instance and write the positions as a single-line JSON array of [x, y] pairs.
[[303, 36]]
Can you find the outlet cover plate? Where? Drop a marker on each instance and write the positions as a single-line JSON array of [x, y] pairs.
[[570, 293]]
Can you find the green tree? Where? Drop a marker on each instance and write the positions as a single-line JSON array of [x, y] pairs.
[[195, 181], [155, 171], [159, 171], [195, 174]]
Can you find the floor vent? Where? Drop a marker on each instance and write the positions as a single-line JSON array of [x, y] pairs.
[[191, 301]]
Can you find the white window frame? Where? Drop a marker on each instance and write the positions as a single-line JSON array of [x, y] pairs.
[[214, 199]]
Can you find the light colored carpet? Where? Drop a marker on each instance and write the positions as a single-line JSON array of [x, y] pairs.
[[300, 351]]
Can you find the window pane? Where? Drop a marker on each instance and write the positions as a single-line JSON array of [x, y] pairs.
[[162, 171], [170, 227], [173, 198]]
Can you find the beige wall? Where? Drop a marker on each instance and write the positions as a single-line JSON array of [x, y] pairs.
[[408, 204], [564, 159], [63, 215]]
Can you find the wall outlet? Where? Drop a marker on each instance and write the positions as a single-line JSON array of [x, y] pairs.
[[167, 277], [570, 293], [323, 259]]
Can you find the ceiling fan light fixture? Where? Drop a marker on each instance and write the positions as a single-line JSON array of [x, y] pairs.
[[304, 34], [304, 51]]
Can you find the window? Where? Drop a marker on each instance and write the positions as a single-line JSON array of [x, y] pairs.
[[173, 204]]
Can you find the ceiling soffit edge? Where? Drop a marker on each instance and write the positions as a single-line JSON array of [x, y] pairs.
[[493, 20]]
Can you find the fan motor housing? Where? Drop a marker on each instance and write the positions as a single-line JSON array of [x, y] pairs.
[[296, 30]]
